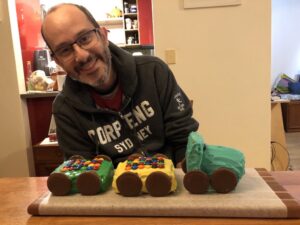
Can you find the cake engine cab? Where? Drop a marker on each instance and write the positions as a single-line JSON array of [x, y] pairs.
[[139, 174], [211, 167], [78, 175]]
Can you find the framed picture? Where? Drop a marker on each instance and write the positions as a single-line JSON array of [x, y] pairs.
[[189, 4]]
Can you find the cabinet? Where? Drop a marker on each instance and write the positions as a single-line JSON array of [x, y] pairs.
[[133, 27], [46, 158], [291, 116], [131, 22]]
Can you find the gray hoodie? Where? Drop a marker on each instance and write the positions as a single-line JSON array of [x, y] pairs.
[[155, 116]]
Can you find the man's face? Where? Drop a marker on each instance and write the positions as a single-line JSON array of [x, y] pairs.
[[91, 66]]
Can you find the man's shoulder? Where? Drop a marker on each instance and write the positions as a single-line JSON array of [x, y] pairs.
[[148, 59], [58, 102]]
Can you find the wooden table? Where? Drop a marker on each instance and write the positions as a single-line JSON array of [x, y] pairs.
[[17, 193]]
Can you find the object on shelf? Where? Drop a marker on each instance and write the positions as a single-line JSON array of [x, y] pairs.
[[128, 23], [133, 8], [41, 60], [115, 13], [58, 75], [135, 24], [282, 83], [52, 130], [38, 81], [126, 7]]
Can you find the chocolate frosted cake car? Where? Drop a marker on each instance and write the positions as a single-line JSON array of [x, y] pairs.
[[79, 175], [140, 174]]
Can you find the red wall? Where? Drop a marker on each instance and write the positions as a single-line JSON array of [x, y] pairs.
[[29, 21], [145, 20]]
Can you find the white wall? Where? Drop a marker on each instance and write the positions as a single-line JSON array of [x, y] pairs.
[[98, 8], [285, 38], [15, 153], [223, 64]]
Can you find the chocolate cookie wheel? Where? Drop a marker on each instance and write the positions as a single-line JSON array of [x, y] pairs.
[[74, 157], [160, 155], [88, 183], [183, 165], [223, 180], [134, 156], [59, 184], [107, 158], [196, 182], [129, 184], [158, 184]]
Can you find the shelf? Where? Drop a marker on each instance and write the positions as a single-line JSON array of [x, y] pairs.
[[131, 30], [130, 14], [39, 94], [111, 21], [137, 46]]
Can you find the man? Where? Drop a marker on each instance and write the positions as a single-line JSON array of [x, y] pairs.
[[112, 103]]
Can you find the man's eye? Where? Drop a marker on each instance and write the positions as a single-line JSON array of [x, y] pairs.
[[85, 39], [64, 51]]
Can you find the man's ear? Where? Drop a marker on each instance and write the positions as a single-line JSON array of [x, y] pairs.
[[104, 34], [56, 60]]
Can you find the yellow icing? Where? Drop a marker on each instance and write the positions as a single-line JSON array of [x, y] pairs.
[[144, 173]]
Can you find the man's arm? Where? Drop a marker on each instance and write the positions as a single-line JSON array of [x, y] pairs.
[[177, 109], [71, 138]]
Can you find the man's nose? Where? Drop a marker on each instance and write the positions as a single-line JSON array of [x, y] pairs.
[[80, 53]]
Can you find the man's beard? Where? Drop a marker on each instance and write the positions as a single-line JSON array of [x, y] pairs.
[[105, 72]]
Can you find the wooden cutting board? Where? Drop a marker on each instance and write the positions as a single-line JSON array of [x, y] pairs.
[[257, 195]]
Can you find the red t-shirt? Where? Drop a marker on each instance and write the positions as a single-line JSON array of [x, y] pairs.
[[112, 102]]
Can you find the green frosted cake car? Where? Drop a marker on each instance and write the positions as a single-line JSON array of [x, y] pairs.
[[211, 167], [79, 175]]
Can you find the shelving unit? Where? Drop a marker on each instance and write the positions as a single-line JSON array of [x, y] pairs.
[[134, 26], [131, 22], [125, 28]]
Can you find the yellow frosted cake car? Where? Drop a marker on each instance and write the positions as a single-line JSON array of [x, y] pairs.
[[140, 174]]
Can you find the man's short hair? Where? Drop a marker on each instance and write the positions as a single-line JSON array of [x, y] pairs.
[[80, 7]]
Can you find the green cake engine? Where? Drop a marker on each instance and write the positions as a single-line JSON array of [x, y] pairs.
[[79, 175]]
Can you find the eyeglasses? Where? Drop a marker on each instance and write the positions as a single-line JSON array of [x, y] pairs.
[[85, 41]]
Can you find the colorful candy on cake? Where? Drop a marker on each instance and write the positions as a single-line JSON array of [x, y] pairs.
[[79, 175], [211, 167], [140, 174]]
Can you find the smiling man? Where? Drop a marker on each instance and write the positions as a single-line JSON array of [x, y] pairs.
[[112, 103]]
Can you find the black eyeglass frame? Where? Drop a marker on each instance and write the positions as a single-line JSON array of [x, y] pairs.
[[53, 53]]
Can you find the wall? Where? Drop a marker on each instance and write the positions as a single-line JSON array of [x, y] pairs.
[[285, 38], [29, 22], [223, 64], [15, 154]]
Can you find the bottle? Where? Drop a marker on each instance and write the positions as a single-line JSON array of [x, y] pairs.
[[28, 68], [126, 8], [28, 72]]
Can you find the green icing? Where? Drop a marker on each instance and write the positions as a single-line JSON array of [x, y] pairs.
[[209, 158], [105, 173]]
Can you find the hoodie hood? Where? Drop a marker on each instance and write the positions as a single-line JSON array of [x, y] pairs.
[[78, 95]]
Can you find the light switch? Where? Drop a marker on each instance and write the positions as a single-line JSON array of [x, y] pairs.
[[170, 56]]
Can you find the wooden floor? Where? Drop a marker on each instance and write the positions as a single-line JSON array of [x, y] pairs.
[[293, 146]]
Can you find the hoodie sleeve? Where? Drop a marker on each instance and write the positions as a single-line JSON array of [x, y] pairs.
[[177, 111], [71, 138]]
